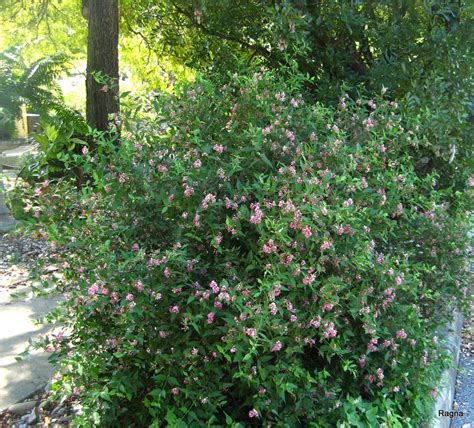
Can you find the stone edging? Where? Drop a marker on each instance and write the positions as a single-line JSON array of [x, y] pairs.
[[447, 387]]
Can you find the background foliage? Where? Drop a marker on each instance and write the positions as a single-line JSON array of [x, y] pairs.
[[33, 85]]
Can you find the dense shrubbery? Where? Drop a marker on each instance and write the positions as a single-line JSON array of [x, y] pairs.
[[246, 258]]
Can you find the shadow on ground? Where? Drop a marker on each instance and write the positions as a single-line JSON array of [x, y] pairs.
[[18, 379]]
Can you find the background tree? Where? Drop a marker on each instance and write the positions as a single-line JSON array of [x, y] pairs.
[[102, 81], [53, 25]]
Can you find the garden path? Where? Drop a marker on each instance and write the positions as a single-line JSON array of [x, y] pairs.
[[19, 379]]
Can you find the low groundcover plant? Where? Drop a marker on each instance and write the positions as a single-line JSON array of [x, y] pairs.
[[246, 258]]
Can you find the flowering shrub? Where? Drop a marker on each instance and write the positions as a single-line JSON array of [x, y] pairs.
[[245, 258]]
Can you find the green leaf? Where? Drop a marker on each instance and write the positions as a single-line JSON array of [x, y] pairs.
[[51, 132], [266, 160]]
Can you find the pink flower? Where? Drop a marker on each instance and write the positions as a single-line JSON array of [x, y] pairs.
[[175, 391], [214, 287], [399, 211], [188, 191], [218, 148], [210, 317], [129, 297], [380, 374], [269, 247], [208, 199], [290, 135], [325, 245], [251, 332], [398, 280], [402, 334], [424, 358], [327, 307], [93, 289], [139, 286], [257, 215], [306, 231], [308, 280], [167, 272], [315, 322], [372, 346], [197, 164], [369, 123], [253, 414], [277, 346], [174, 309], [273, 308], [280, 96], [330, 331]]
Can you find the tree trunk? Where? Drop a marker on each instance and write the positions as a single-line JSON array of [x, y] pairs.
[[102, 58]]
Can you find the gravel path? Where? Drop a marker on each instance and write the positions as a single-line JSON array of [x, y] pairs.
[[18, 256], [464, 395], [21, 379]]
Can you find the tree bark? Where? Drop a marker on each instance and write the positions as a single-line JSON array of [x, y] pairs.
[[102, 57]]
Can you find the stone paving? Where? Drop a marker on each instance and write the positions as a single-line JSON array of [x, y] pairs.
[[18, 379], [19, 308]]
